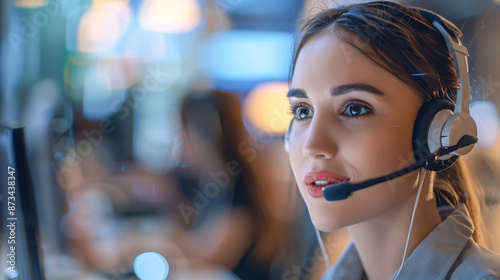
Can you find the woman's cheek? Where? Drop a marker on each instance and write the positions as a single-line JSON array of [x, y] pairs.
[[296, 158], [378, 152]]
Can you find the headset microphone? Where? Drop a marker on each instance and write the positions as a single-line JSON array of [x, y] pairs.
[[343, 190]]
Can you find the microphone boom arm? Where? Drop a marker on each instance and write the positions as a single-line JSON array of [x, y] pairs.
[[343, 190]]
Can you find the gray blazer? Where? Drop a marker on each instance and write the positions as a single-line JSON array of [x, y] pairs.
[[448, 252]]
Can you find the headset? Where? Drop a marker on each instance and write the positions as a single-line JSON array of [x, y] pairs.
[[442, 132]]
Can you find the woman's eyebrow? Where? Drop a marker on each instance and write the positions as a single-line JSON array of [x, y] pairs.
[[343, 89], [297, 92], [338, 90]]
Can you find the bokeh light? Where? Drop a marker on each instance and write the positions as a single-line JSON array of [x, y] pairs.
[[151, 266], [100, 100], [103, 25], [170, 16], [266, 107], [232, 57], [487, 120], [30, 3]]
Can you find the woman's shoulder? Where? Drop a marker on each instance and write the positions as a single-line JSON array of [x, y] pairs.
[[476, 263]]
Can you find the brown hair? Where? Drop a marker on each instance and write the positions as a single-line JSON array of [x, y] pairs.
[[216, 116], [402, 41], [202, 111]]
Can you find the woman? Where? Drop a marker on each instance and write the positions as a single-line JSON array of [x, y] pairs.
[[226, 223], [359, 77]]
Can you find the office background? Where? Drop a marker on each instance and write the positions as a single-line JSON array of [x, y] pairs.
[[99, 86]]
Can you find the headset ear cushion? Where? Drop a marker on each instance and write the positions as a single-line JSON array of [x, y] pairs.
[[421, 131]]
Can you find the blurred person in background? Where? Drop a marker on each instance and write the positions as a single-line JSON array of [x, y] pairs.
[[226, 207], [224, 215]]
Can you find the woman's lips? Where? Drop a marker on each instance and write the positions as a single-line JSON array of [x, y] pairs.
[[316, 190]]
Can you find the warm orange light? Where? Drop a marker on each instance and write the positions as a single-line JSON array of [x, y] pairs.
[[30, 3], [170, 16], [266, 107], [103, 25]]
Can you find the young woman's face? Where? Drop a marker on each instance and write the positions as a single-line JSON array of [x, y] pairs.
[[354, 119]]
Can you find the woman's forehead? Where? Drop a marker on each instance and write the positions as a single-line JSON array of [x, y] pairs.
[[327, 61]]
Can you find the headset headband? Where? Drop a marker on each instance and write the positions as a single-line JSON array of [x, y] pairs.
[[461, 122]]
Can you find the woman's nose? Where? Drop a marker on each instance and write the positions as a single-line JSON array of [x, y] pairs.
[[319, 143]]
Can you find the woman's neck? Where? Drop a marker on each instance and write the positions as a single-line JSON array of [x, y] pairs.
[[380, 242]]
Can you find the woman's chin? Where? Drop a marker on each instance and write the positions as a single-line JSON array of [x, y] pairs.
[[326, 223]]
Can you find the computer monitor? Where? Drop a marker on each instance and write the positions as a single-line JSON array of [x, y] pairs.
[[22, 234]]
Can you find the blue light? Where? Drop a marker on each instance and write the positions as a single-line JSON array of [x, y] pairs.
[[11, 273], [487, 119], [72, 26], [151, 266], [100, 102], [247, 56]]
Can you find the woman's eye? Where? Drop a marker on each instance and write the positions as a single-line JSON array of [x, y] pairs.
[[300, 112], [356, 110]]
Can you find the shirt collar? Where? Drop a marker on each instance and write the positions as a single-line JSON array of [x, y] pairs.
[[437, 252]]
